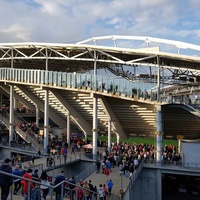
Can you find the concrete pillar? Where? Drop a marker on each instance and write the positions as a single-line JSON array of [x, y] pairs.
[[179, 138], [86, 137], [159, 184], [109, 135], [37, 116], [68, 128], [95, 129], [117, 138], [159, 135], [158, 79], [11, 117], [46, 120], [14, 104], [95, 110]]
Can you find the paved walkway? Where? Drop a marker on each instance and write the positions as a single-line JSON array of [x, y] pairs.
[[119, 181]]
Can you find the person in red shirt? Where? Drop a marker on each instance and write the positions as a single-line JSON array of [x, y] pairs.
[[107, 172], [105, 189], [24, 183]]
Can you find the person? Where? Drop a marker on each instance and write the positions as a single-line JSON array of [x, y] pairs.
[[17, 181], [107, 172], [110, 186], [86, 191], [45, 188], [100, 192], [5, 180], [58, 189], [73, 149], [25, 189], [35, 193], [79, 191], [91, 187], [35, 176], [72, 185], [24, 170], [33, 160], [105, 189], [98, 163]]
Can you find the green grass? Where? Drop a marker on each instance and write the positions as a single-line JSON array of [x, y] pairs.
[[139, 140]]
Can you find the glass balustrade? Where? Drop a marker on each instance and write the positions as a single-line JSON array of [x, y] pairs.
[[110, 85]]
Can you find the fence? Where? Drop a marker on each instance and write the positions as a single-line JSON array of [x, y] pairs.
[[58, 189]]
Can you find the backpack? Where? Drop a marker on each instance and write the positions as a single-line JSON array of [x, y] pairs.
[[35, 193]]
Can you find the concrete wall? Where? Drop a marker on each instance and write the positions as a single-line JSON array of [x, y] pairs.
[[4, 153], [71, 169], [190, 153], [148, 185]]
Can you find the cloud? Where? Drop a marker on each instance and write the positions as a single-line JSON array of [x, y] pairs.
[[75, 20]]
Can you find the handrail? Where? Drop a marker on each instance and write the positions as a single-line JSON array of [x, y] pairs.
[[52, 187], [69, 80]]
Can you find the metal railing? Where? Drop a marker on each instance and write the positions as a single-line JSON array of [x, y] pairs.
[[86, 173], [70, 80], [52, 189]]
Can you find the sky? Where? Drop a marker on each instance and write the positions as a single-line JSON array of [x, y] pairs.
[[71, 21]]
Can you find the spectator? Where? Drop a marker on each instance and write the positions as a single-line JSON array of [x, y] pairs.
[[71, 187], [35, 176], [17, 181], [110, 186], [45, 188], [24, 170], [98, 163], [100, 192], [59, 189], [5, 180], [79, 191], [105, 189], [107, 172], [25, 183], [86, 191]]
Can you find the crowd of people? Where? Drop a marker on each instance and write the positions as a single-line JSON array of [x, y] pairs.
[[39, 185]]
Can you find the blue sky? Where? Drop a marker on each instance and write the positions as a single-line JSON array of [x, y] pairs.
[[76, 20]]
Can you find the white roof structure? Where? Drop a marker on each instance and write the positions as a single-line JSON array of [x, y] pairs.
[[105, 50]]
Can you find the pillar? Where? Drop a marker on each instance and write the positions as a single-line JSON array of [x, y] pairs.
[[109, 135], [85, 137], [14, 104], [46, 120], [95, 130], [68, 128], [11, 117], [158, 79], [37, 115], [180, 138], [95, 110], [159, 135], [159, 184], [117, 139]]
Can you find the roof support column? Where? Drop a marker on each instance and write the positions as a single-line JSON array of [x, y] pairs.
[[68, 128], [37, 115], [158, 79], [95, 125], [159, 135], [46, 58], [117, 138], [109, 135], [46, 120], [11, 117], [95, 111]]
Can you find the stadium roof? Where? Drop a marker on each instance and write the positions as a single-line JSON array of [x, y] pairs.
[[106, 51]]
